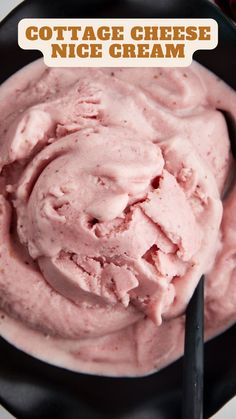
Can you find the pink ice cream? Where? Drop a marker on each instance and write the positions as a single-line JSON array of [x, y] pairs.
[[110, 211]]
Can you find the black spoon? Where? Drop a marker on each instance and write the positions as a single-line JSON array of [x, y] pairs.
[[193, 369]]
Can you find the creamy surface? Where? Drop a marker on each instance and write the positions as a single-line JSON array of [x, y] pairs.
[[111, 185]]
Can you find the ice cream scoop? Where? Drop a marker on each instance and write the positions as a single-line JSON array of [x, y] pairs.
[[110, 211]]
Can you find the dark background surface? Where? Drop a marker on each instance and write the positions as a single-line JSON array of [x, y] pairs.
[[31, 389]]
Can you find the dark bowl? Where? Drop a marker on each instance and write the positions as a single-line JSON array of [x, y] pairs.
[[31, 389]]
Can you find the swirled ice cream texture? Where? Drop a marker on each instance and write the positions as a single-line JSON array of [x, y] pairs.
[[111, 185]]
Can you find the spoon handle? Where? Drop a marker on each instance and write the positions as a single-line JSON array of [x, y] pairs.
[[193, 367]]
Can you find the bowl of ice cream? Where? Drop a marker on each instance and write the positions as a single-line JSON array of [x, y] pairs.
[[110, 212]]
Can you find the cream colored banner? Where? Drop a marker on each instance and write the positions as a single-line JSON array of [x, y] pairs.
[[117, 42]]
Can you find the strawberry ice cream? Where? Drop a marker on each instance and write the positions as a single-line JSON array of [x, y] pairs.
[[111, 209]]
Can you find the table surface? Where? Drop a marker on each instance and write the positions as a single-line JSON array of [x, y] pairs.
[[229, 410]]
